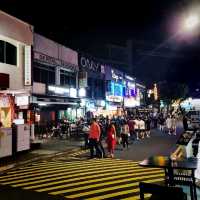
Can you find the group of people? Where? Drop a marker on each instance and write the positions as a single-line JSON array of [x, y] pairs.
[[120, 129], [116, 131]]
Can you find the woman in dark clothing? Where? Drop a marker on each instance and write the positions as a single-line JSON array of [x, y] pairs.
[[185, 123]]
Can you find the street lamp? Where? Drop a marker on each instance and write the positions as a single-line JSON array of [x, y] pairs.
[[191, 22]]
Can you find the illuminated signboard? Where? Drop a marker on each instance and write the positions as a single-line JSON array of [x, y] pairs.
[[58, 90]]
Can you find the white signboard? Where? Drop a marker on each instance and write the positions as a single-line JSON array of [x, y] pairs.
[[23, 137], [22, 100], [27, 65]]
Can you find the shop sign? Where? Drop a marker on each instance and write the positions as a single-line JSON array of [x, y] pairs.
[[90, 64], [82, 92], [58, 90], [114, 98], [22, 100], [73, 92], [27, 65], [54, 61], [4, 102], [131, 102]]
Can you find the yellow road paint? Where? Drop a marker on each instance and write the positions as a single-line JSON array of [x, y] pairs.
[[73, 173], [137, 197], [115, 175], [46, 165], [64, 170], [104, 184], [58, 169], [110, 189]]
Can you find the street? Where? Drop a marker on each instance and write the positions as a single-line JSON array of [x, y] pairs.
[[77, 177]]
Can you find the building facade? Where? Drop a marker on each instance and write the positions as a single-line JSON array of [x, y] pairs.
[[55, 80], [16, 40]]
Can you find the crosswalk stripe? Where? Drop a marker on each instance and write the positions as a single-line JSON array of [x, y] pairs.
[[65, 169], [45, 166], [104, 184], [115, 174], [73, 173], [137, 197], [109, 189], [91, 180], [53, 168]]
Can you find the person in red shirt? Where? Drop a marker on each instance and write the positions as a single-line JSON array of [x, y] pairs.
[[111, 139], [131, 124], [94, 136]]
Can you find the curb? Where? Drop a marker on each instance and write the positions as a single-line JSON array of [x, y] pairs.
[[5, 168]]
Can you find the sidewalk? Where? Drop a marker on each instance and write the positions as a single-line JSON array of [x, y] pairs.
[[48, 149]]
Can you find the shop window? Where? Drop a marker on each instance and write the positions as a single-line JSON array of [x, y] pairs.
[[11, 54], [44, 74], [67, 78], [2, 51], [8, 53], [36, 74]]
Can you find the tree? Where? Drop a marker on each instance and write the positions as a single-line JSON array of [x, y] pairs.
[[172, 91]]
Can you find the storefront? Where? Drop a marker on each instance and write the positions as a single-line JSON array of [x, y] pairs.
[[16, 40], [115, 91], [55, 92], [91, 84], [132, 93]]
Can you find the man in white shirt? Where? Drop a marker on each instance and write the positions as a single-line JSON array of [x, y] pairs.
[[136, 126], [141, 127]]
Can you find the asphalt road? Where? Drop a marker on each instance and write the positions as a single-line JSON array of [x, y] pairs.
[[77, 177]]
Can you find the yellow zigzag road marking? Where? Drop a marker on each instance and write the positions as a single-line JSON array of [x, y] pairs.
[[110, 189], [104, 184]]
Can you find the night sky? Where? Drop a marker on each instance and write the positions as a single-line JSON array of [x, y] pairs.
[[89, 25]]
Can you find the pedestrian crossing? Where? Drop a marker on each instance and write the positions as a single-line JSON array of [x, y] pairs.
[[93, 179]]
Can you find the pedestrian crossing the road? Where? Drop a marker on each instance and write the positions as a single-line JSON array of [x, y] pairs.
[[92, 179]]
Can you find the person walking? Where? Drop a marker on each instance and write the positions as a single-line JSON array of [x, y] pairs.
[[136, 126], [148, 126], [141, 125], [94, 135], [169, 124], [174, 122], [161, 122], [131, 124], [124, 134], [103, 154], [111, 139], [185, 123]]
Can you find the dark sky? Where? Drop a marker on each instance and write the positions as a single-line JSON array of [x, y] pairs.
[[87, 25]]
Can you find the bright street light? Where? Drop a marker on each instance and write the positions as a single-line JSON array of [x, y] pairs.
[[191, 23]]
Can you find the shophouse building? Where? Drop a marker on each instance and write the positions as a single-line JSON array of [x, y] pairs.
[[16, 40]]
